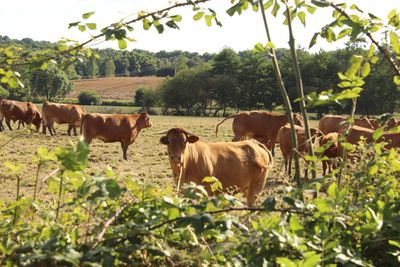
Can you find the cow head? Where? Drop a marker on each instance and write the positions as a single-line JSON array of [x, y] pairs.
[[37, 120], [143, 121], [176, 140]]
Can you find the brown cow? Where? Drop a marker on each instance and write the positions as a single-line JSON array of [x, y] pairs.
[[331, 151], [244, 164], [260, 125], [285, 143], [109, 128], [356, 132], [334, 123], [62, 114], [23, 112]]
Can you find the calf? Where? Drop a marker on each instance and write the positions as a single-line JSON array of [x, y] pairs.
[[243, 164], [114, 128], [332, 150], [285, 143]]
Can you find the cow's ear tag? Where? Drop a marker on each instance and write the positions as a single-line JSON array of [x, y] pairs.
[[193, 139], [164, 140]]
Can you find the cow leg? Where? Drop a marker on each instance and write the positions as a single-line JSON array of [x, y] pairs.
[[75, 132], [44, 128], [69, 129], [8, 124], [324, 165], [51, 129], [255, 187], [124, 147], [290, 165], [1, 126]]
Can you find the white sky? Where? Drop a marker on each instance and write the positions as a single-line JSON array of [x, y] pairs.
[[48, 20]]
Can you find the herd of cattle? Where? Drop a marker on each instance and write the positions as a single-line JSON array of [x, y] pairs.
[[243, 163]]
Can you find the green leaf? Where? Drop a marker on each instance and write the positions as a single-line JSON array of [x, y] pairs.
[[311, 9], [172, 24], [322, 205], [176, 18], [333, 191], [295, 224], [198, 15], [82, 28], [374, 59], [122, 44], [371, 51], [208, 19], [146, 24], [313, 40], [320, 3], [73, 24], [394, 243], [396, 80], [91, 26], [258, 48], [373, 169], [344, 33], [394, 39], [275, 9], [378, 133], [302, 17], [312, 261], [87, 15], [365, 70], [285, 262]]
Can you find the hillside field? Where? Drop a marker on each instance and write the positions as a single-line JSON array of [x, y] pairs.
[[120, 88]]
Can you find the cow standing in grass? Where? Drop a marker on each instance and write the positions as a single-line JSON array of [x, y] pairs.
[[23, 112], [243, 164], [62, 114], [123, 128], [260, 125]]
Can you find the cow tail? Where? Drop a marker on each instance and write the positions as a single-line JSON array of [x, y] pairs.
[[270, 158], [216, 128]]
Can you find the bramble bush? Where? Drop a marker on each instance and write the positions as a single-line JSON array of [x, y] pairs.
[[107, 220]]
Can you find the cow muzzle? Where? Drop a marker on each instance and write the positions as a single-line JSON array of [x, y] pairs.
[[176, 159]]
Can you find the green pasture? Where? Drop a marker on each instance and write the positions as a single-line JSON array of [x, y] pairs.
[[147, 158]]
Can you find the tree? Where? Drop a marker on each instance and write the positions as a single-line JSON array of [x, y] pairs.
[[88, 98], [110, 68], [93, 68], [51, 83]]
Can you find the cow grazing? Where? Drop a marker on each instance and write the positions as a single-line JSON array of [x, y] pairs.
[[335, 123], [286, 146], [243, 164], [261, 125], [109, 128], [62, 114], [23, 112], [329, 140]]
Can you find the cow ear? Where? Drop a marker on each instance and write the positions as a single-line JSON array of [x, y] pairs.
[[193, 138], [164, 140]]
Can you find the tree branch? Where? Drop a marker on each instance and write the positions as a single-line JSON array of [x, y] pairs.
[[383, 51]]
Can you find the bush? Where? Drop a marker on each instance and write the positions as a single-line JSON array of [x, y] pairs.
[[4, 93], [89, 98]]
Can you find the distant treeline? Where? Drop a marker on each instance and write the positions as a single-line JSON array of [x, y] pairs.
[[208, 83]]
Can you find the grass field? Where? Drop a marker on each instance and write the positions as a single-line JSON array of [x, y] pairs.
[[115, 87], [147, 158]]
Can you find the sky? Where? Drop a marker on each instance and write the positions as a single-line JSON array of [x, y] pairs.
[[48, 20]]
